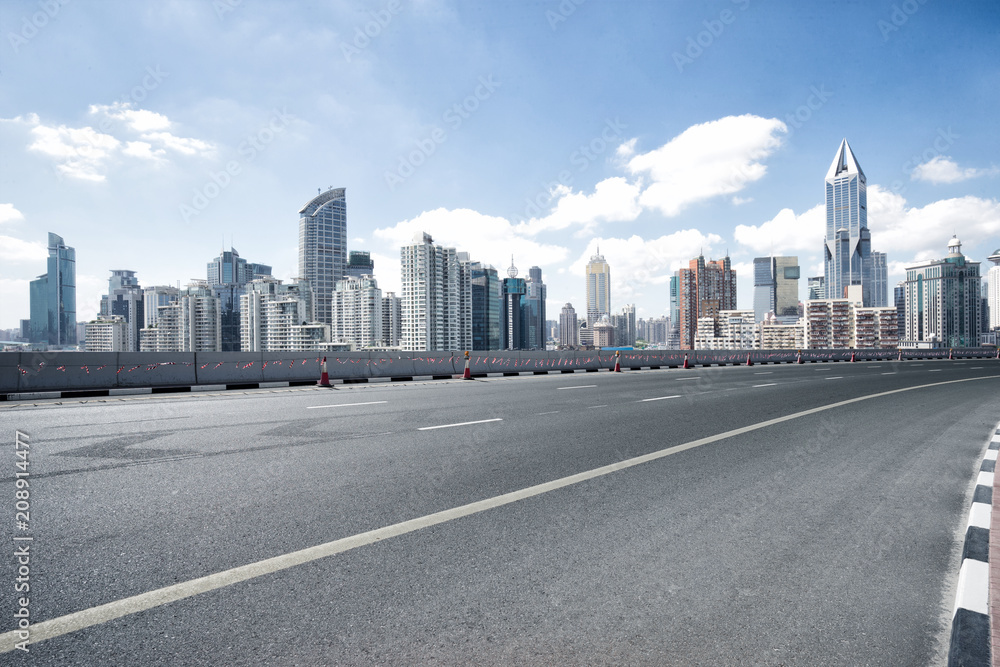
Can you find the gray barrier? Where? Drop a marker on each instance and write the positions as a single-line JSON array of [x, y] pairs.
[[23, 372]]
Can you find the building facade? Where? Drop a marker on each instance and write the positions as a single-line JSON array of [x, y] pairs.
[[775, 287], [323, 247], [847, 247], [392, 319], [993, 290], [53, 298], [880, 280], [359, 263], [598, 288], [273, 318], [436, 301], [943, 303], [704, 289], [486, 307], [357, 313], [106, 334], [513, 312], [190, 323], [568, 327]]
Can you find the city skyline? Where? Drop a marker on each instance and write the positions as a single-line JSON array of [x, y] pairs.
[[679, 143]]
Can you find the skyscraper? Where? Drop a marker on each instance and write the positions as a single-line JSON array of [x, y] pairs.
[[433, 298], [568, 326], [125, 298], [704, 289], [535, 304], [993, 280], [323, 247], [391, 319], [817, 288], [228, 275], [485, 307], [513, 312], [53, 297], [598, 288], [848, 242], [942, 301], [775, 287], [357, 312], [880, 280]]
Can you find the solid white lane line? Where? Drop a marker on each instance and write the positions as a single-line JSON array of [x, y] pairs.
[[596, 406], [692, 377], [888, 373], [770, 384], [481, 421], [658, 398], [976, 368], [343, 405], [836, 377], [551, 412], [109, 611], [764, 373], [582, 386], [934, 370]]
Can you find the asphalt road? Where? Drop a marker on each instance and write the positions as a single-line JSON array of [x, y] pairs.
[[827, 538]]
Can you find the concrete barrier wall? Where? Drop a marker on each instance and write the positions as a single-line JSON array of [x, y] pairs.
[[67, 371]]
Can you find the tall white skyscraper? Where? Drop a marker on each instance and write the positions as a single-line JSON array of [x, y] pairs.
[[357, 312], [880, 280], [323, 247], [434, 298], [598, 288], [392, 315], [993, 289]]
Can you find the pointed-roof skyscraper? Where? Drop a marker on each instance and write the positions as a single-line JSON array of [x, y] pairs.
[[847, 248]]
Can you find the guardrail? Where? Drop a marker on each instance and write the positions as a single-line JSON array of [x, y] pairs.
[[25, 372]]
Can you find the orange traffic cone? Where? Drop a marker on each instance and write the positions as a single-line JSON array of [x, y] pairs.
[[749, 360], [467, 375], [798, 359], [949, 354], [853, 359], [686, 365], [324, 377], [900, 357], [618, 362]]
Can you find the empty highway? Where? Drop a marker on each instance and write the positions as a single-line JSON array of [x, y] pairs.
[[774, 515]]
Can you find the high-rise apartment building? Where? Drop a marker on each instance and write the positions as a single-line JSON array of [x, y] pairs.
[[190, 323], [53, 298], [152, 298], [899, 301], [625, 327], [993, 290], [273, 318], [880, 280], [106, 334], [125, 298], [227, 276], [568, 326], [674, 334], [392, 319], [435, 298], [942, 301], [359, 263], [323, 247], [816, 288], [598, 288], [357, 312], [704, 289]]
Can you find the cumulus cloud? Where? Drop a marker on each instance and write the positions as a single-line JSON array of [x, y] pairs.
[[942, 169], [488, 239], [16, 250], [708, 160], [85, 153], [786, 232], [9, 214], [613, 200], [925, 231]]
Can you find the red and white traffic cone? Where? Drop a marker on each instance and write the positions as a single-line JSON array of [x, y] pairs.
[[686, 365], [798, 359], [749, 360], [618, 362], [998, 353], [324, 377], [949, 354], [900, 357], [853, 359], [467, 375]]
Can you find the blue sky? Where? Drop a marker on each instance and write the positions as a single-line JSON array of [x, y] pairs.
[[149, 134]]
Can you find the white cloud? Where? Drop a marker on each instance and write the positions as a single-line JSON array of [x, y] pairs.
[[144, 150], [708, 160], [16, 250], [626, 149], [924, 232], [942, 169], [488, 239], [639, 265], [614, 200], [140, 120], [9, 214], [14, 300], [785, 232], [180, 144], [80, 152]]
